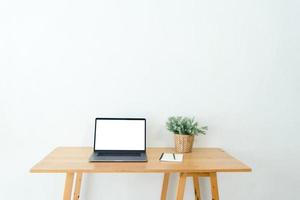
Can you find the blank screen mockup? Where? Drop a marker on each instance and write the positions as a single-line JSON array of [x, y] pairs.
[[120, 134]]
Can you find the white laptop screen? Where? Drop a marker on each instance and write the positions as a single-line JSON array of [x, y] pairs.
[[120, 134]]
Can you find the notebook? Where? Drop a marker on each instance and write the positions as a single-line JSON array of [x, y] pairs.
[[171, 157]]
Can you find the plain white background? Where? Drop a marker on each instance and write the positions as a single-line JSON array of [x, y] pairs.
[[120, 134], [232, 64]]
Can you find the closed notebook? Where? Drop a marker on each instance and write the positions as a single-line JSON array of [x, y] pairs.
[[171, 157]]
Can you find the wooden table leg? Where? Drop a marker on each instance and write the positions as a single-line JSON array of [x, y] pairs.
[[68, 186], [164, 190], [214, 186], [196, 187], [77, 186], [181, 186]]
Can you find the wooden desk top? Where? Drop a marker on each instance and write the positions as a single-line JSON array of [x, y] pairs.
[[75, 159]]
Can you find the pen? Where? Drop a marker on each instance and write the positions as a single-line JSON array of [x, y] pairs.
[[161, 156], [174, 156]]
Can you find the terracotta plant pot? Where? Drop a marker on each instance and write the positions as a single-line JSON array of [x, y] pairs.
[[183, 143]]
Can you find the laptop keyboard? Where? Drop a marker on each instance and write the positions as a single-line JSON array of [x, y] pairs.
[[118, 154]]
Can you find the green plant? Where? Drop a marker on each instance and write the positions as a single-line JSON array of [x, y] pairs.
[[185, 126]]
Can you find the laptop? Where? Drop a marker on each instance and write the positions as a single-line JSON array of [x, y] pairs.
[[119, 140]]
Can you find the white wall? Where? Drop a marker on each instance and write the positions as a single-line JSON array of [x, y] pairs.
[[232, 64]]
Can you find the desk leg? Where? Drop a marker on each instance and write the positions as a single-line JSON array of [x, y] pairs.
[[77, 186], [164, 190], [68, 186], [181, 186], [214, 186], [196, 187]]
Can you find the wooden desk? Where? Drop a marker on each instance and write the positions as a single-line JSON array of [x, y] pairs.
[[201, 162]]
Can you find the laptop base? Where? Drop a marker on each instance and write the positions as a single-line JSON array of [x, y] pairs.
[[95, 157]]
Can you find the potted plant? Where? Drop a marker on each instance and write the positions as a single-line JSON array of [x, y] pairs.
[[184, 130]]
